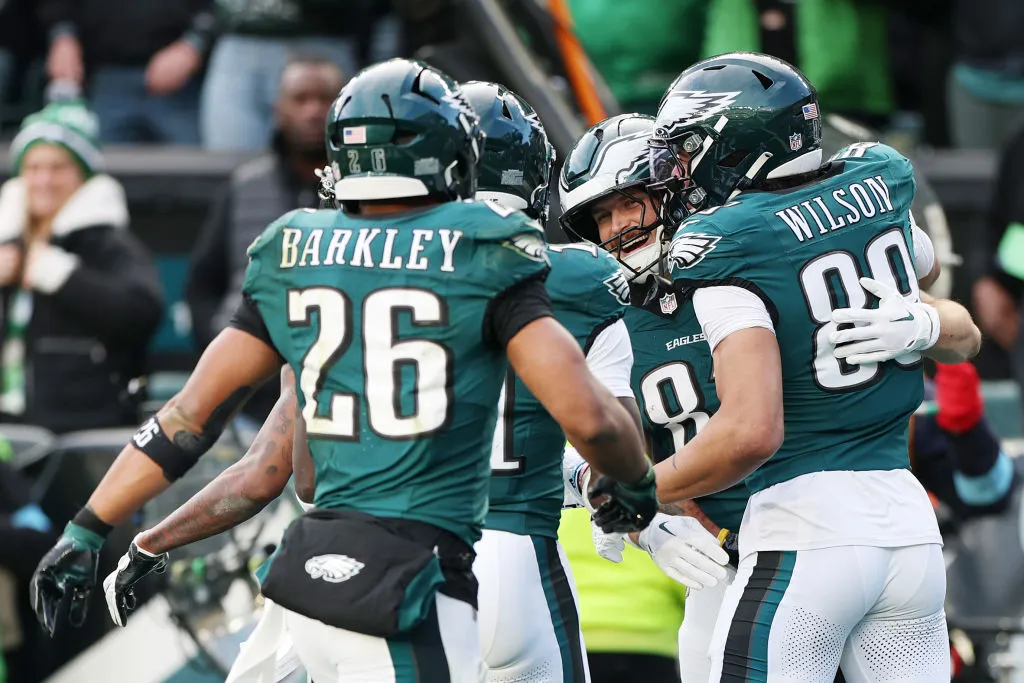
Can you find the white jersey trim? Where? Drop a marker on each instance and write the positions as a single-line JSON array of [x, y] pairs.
[[728, 309], [610, 359]]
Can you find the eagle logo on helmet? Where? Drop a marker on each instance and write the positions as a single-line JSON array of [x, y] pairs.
[[688, 249], [688, 106]]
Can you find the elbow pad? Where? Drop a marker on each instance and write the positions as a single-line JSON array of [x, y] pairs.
[[176, 457]]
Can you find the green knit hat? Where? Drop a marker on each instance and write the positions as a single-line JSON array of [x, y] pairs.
[[68, 124]]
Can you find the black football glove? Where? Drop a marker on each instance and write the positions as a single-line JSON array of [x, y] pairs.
[[119, 586], [65, 576], [627, 507]]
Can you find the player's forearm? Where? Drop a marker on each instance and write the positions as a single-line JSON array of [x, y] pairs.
[[725, 452], [238, 493], [688, 508], [131, 482], [612, 444], [959, 338]]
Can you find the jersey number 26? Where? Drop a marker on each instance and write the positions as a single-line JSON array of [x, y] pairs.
[[384, 358]]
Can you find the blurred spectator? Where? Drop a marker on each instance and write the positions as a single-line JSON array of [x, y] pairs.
[[142, 61], [956, 455], [240, 91], [631, 635], [639, 53], [841, 45], [997, 294], [20, 42], [258, 193], [80, 296], [986, 85], [25, 536]]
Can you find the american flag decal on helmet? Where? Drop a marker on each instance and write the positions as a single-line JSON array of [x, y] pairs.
[[689, 248], [810, 111]]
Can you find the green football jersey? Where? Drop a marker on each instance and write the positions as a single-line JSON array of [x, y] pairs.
[[802, 250], [673, 381], [588, 293], [382, 319]]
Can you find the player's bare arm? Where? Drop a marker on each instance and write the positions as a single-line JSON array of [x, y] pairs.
[[939, 328], [593, 420], [229, 370], [959, 338], [240, 491], [689, 508], [746, 430], [302, 459]]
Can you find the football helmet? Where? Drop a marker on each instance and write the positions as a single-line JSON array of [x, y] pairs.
[[727, 122], [611, 158], [515, 166], [401, 129]]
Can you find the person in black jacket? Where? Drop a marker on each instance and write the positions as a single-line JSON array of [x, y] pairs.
[[79, 296], [258, 193], [143, 61]]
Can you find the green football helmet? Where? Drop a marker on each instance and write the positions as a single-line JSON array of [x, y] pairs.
[[401, 129], [727, 122], [515, 167], [610, 158]]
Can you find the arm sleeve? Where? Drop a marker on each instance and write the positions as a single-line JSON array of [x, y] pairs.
[[728, 309], [924, 250], [514, 309], [202, 29], [208, 272], [610, 359], [247, 318]]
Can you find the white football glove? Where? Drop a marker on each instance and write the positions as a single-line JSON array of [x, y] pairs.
[[575, 480], [685, 551], [608, 546], [896, 327]]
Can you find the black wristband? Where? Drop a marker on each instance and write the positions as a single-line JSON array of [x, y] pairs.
[[87, 519]]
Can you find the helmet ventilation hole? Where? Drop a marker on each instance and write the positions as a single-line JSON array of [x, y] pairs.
[[765, 81]]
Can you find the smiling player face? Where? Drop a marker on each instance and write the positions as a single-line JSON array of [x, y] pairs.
[[624, 215]]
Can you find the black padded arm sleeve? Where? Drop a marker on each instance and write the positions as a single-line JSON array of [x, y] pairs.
[[514, 309], [247, 318]]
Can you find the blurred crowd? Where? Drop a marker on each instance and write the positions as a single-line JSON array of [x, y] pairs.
[[80, 297]]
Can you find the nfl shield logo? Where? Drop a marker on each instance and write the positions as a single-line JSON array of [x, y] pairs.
[[796, 141], [668, 303]]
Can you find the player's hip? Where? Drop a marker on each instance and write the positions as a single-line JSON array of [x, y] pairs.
[[791, 615], [529, 618], [444, 646], [881, 508]]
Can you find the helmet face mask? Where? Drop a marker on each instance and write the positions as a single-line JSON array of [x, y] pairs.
[[609, 165], [726, 123], [640, 248]]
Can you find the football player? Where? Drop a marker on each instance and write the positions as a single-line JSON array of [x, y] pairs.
[[523, 576], [778, 254], [397, 315], [605, 203]]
